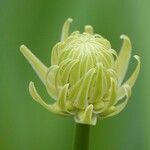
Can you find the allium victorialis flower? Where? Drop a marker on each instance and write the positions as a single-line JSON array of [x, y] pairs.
[[86, 75]]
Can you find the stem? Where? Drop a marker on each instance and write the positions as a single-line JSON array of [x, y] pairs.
[[81, 139]]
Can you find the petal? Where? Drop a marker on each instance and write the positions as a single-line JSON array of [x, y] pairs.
[[97, 91], [87, 116], [123, 58], [75, 74], [53, 107], [58, 76], [67, 70], [131, 80], [62, 98], [37, 65], [88, 29], [100, 107], [81, 90], [112, 99], [135, 74], [65, 29], [119, 107], [50, 81], [55, 53], [37, 97], [113, 93]]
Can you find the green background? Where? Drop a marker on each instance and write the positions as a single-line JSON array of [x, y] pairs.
[[24, 124]]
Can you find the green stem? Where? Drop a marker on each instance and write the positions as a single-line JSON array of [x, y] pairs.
[[81, 139]]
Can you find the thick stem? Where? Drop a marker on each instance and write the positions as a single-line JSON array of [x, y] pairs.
[[81, 137]]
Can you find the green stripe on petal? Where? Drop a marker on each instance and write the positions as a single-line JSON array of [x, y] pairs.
[[97, 90], [62, 97], [113, 93], [50, 81], [55, 53], [66, 72], [81, 99]]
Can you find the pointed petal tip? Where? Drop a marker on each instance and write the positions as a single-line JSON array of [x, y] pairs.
[[123, 36], [33, 91], [90, 107], [134, 76], [22, 47], [31, 83], [31, 87], [137, 57], [24, 50], [69, 19], [138, 60]]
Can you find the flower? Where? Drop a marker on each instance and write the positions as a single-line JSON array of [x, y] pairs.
[[86, 75]]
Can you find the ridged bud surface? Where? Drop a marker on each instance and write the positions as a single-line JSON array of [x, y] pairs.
[[85, 76]]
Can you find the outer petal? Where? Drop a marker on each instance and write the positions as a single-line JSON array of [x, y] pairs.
[[65, 29], [50, 81], [37, 97], [123, 58], [53, 107], [37, 65], [119, 107], [131, 79], [135, 74]]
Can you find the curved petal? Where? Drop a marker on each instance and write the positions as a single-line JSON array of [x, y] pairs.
[[135, 74], [112, 99], [58, 76], [67, 71], [113, 93], [131, 80], [65, 29], [123, 58], [53, 107], [37, 97], [119, 107], [50, 81], [37, 65], [81, 90], [62, 97], [55, 53], [97, 92], [86, 116]]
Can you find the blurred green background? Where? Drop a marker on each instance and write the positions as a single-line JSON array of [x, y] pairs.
[[24, 124]]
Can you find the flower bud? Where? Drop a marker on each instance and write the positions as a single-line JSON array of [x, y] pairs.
[[86, 75]]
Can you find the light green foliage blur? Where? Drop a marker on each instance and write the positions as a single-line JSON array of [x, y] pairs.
[[24, 124]]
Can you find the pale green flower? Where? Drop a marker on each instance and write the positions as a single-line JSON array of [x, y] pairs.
[[86, 75]]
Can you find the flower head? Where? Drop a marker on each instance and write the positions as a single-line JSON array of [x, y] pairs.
[[86, 75]]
